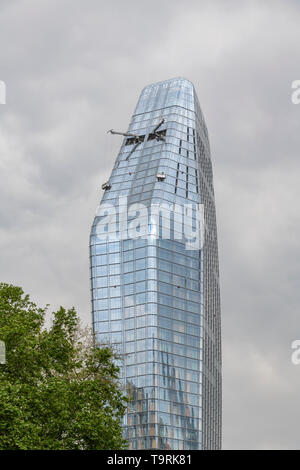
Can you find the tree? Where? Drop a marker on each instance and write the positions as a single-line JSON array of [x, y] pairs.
[[57, 389]]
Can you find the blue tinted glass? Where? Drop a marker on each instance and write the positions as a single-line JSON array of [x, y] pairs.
[[154, 297]]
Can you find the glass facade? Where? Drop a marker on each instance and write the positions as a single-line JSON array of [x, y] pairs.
[[153, 296]]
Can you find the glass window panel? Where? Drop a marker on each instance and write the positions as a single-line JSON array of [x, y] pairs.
[[141, 275], [140, 287], [114, 269], [103, 327], [116, 314], [129, 323], [141, 322], [127, 267], [140, 264]]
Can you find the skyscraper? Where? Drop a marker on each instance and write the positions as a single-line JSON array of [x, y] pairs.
[[155, 274]]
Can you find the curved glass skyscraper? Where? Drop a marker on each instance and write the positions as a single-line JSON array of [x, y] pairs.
[[155, 275]]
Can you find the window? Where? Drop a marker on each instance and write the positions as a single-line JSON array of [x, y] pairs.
[[116, 326], [128, 289], [102, 327], [134, 140], [129, 324], [157, 134], [115, 314]]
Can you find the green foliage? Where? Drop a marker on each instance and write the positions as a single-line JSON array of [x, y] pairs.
[[57, 390]]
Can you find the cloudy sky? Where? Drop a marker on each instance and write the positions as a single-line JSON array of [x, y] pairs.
[[74, 69]]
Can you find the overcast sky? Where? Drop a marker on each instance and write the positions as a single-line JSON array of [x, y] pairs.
[[75, 68]]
